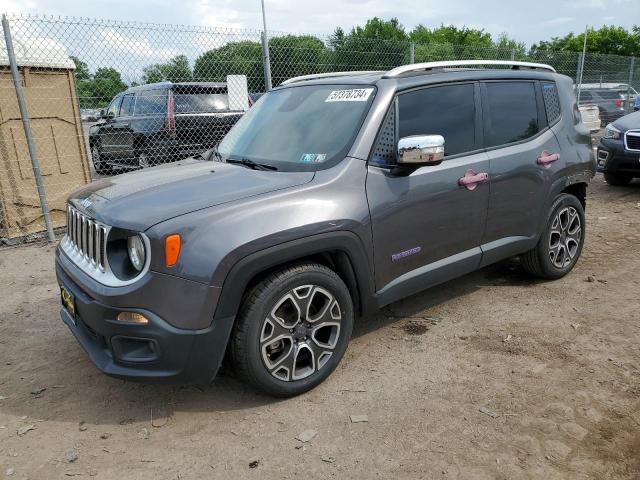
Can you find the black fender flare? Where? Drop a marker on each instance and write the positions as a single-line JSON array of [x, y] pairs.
[[243, 271]]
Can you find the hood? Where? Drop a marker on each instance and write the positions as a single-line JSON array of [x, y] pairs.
[[628, 122], [141, 199]]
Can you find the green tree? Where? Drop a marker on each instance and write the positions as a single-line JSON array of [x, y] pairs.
[[96, 90], [378, 29], [294, 55], [175, 70], [452, 35], [507, 47], [448, 42], [234, 58], [106, 84], [378, 45], [605, 40], [82, 70]]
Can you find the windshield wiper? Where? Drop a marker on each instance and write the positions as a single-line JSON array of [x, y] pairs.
[[251, 164]]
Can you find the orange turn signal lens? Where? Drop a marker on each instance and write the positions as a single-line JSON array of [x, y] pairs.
[[133, 317], [172, 250]]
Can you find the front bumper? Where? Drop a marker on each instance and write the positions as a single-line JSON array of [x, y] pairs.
[[154, 352], [611, 156]]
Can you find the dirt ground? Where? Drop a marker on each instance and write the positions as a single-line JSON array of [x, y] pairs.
[[491, 376]]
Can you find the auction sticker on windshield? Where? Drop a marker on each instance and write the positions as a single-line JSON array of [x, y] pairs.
[[313, 157], [351, 95]]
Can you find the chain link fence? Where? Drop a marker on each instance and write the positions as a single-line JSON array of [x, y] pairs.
[[104, 97]]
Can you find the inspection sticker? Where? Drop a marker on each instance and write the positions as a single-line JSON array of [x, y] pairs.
[[313, 157], [351, 95]]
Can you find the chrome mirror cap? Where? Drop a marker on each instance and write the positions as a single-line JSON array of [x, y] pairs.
[[421, 150]]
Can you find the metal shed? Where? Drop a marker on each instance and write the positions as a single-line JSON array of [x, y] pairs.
[[46, 73]]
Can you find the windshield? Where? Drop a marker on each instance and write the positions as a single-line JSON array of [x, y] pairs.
[[299, 128]]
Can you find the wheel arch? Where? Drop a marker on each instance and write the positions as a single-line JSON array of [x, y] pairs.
[[139, 141], [578, 190], [343, 252]]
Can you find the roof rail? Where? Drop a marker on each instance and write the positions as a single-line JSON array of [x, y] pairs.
[[315, 76], [396, 72]]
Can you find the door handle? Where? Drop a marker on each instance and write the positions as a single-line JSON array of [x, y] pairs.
[[122, 125], [472, 179], [546, 159]]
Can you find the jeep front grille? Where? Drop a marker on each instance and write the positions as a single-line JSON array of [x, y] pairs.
[[86, 237], [632, 140]]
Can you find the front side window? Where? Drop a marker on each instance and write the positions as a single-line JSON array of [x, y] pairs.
[[151, 102], [511, 112], [127, 104], [300, 128], [114, 106], [448, 110]]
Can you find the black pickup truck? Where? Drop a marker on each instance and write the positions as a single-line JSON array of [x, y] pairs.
[[162, 122]]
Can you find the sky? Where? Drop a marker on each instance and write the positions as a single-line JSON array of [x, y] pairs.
[[526, 21]]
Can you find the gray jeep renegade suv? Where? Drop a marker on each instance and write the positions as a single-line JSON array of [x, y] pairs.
[[336, 194]]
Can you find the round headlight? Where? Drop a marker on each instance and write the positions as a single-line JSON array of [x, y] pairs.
[[137, 255]]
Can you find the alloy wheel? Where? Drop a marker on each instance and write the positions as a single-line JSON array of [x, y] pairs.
[[143, 160], [565, 237], [95, 157], [301, 332]]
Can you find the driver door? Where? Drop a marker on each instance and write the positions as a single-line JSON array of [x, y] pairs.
[[108, 135], [426, 226]]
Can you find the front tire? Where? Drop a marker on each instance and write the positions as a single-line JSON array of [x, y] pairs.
[[561, 242], [292, 330], [142, 159], [99, 164], [617, 179]]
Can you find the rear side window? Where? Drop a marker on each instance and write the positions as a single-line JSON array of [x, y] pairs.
[[586, 96], [551, 101], [609, 94], [448, 111], [512, 113], [199, 101], [151, 102]]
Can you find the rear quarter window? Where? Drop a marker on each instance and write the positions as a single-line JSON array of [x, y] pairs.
[[511, 113], [551, 101]]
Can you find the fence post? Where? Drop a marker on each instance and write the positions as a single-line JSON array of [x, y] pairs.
[[513, 54], [412, 52], [266, 62], [579, 76], [35, 164], [632, 64]]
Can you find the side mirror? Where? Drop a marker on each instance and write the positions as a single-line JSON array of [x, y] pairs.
[[420, 150]]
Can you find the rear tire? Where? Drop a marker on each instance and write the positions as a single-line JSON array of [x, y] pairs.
[[292, 330], [561, 242], [617, 179]]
